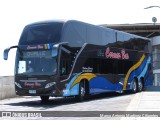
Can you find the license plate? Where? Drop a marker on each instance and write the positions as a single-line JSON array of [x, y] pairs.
[[32, 91]]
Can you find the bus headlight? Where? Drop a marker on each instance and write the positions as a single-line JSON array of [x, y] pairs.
[[18, 85], [50, 84]]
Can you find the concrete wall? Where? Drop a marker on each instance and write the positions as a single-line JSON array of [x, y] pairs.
[[7, 88]]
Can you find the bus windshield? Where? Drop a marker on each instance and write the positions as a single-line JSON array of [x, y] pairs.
[[36, 63], [41, 34]]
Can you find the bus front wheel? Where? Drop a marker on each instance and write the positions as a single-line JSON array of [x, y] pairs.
[[82, 91]]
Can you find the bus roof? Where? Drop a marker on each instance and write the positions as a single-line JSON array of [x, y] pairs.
[[45, 22]]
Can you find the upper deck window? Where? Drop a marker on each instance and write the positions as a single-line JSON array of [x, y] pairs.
[[41, 34]]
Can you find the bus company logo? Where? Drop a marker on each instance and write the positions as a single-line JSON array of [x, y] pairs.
[[31, 47], [34, 47], [116, 55], [40, 47], [36, 84]]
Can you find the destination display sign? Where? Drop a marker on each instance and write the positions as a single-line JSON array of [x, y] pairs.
[[31, 54]]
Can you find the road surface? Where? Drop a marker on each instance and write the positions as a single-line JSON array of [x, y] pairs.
[[105, 102]]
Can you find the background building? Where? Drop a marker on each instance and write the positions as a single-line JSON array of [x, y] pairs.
[[151, 31]]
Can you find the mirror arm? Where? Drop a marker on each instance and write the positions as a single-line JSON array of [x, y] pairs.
[[16, 46], [8, 49]]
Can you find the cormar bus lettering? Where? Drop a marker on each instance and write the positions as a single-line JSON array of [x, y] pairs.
[[118, 55], [32, 84], [124, 55], [112, 54], [35, 47], [40, 47], [31, 47], [29, 84]]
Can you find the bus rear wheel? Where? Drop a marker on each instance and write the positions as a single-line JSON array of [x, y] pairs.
[[140, 86], [134, 86], [44, 98]]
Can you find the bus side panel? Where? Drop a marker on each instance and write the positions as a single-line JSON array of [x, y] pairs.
[[138, 71], [71, 92], [71, 89], [100, 84], [97, 84], [148, 80], [148, 77]]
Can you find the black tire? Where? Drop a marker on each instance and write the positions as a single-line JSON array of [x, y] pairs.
[[44, 98], [82, 92], [134, 86], [140, 86]]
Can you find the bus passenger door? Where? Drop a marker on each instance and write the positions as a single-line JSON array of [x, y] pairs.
[[65, 63]]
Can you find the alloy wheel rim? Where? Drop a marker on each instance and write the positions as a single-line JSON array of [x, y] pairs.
[[82, 91]]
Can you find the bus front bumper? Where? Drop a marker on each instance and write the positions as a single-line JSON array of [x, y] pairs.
[[38, 92]]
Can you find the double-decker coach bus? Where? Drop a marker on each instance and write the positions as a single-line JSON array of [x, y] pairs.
[[73, 58]]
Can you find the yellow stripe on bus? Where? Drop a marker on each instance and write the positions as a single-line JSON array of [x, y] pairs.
[[131, 70], [87, 76]]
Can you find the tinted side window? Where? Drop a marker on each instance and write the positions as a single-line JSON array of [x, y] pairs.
[[108, 66]]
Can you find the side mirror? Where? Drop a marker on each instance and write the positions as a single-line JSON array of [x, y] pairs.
[[6, 51]]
